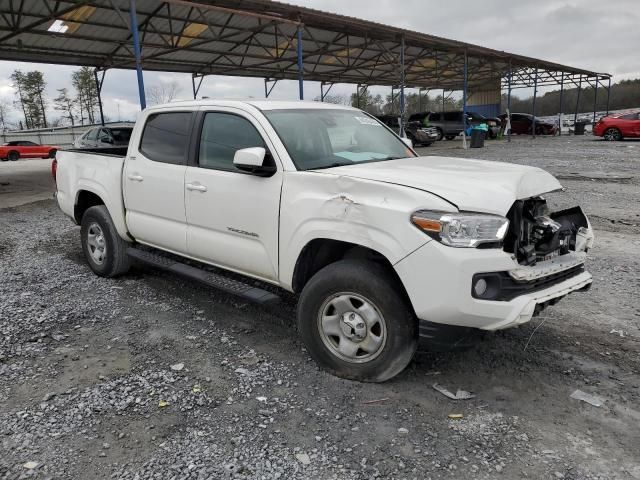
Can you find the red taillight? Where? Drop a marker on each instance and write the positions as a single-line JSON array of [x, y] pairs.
[[54, 170]]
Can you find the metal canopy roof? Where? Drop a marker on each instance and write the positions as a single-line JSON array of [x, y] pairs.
[[257, 38]]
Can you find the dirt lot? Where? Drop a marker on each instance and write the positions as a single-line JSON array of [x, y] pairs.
[[87, 388]]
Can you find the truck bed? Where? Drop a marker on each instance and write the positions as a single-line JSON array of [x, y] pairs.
[[96, 171]]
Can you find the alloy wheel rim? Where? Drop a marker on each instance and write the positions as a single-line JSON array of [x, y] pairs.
[[96, 243], [352, 327]]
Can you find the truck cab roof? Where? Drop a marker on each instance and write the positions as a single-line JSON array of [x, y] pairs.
[[260, 104]]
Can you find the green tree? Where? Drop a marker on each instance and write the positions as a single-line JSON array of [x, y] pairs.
[[30, 88], [86, 94], [4, 112], [64, 103]]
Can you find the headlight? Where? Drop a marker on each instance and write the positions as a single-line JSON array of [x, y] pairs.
[[461, 229]]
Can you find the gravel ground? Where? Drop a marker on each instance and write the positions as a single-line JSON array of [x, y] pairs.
[[151, 376]]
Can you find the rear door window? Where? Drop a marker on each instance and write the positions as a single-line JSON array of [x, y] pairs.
[[93, 134], [166, 137]]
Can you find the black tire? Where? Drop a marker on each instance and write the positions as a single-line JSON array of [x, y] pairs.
[[450, 137], [52, 153], [115, 261], [377, 286], [13, 156], [440, 134], [612, 135]]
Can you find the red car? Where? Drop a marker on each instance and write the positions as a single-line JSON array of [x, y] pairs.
[[617, 127], [26, 149], [521, 124]]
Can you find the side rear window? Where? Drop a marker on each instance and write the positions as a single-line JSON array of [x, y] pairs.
[[453, 116], [93, 134], [434, 117], [222, 135], [166, 137]]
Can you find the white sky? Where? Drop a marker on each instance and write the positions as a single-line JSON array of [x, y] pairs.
[[592, 34]]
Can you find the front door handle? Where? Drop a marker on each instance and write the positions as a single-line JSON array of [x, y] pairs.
[[136, 178], [197, 187]]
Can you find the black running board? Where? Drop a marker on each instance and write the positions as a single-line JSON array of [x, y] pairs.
[[226, 284]]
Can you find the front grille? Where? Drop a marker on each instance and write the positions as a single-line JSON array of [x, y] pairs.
[[501, 287]]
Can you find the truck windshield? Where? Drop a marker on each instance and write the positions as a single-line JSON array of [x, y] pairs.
[[318, 138]]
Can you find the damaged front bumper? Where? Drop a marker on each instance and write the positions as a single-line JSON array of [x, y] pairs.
[[440, 283]]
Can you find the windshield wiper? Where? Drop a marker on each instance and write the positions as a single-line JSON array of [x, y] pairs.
[[335, 164]]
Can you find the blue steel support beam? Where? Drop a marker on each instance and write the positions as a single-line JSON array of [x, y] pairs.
[[575, 115], [595, 100], [133, 20], [535, 94], [509, 103], [560, 111], [464, 100], [300, 70], [402, 106], [608, 95]]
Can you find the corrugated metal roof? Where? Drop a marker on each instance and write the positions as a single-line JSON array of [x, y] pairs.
[[254, 38]]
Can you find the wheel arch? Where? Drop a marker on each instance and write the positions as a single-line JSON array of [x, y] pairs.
[[320, 252], [85, 199]]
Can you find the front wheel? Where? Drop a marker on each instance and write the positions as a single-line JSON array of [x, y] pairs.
[[612, 134], [13, 156], [104, 249], [450, 137], [355, 322]]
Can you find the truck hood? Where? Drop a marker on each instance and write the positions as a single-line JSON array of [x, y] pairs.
[[470, 185]]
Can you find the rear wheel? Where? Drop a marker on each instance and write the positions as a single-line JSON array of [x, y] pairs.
[[355, 323], [450, 137], [52, 153], [612, 134], [13, 156], [104, 249]]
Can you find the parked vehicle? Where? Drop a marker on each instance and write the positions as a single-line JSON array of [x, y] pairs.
[[617, 127], [494, 124], [386, 249], [104, 137], [521, 125], [448, 124], [26, 149], [415, 131]]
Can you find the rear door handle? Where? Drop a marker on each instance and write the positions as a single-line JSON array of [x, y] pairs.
[[136, 178], [197, 187]]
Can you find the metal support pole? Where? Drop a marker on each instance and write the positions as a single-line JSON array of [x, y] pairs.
[[533, 108], [196, 89], [575, 115], [442, 100], [268, 89], [509, 103], [608, 95], [402, 78], [136, 48], [560, 110], [99, 90], [595, 99], [464, 102], [300, 70]]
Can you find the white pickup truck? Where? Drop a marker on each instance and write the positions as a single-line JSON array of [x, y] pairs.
[[385, 248]]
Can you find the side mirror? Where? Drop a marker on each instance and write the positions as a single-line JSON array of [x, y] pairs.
[[252, 160], [407, 142]]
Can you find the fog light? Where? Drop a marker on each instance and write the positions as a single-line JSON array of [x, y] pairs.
[[480, 287]]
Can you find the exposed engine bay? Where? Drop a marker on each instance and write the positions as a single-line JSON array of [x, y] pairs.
[[536, 234]]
